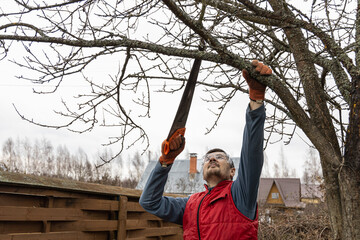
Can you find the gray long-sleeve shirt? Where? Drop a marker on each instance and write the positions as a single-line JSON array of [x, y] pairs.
[[243, 190]]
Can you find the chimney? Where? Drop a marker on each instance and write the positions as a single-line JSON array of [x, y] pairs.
[[193, 162]]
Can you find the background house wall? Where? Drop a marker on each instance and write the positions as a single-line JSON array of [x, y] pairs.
[[271, 200]]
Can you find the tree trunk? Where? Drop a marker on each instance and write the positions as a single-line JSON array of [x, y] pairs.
[[320, 117], [349, 175], [332, 197], [349, 179]]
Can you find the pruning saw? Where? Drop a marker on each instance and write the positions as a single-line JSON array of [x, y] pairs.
[[178, 126]]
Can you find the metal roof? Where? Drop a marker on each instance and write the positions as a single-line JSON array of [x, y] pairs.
[[180, 181]]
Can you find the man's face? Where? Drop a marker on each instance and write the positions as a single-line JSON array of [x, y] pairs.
[[216, 166]]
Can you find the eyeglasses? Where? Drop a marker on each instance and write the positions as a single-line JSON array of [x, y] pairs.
[[217, 156]]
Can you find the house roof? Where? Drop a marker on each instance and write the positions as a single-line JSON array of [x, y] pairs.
[[289, 189], [179, 180]]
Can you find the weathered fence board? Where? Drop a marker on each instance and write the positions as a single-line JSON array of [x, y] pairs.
[[55, 209], [89, 204], [54, 236], [10, 213], [85, 225]]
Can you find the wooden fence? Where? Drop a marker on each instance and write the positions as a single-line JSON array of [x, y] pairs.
[[39, 208]]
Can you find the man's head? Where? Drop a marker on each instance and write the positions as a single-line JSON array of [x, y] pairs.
[[217, 166]]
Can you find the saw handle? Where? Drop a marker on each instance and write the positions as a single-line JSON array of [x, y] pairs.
[[180, 131]]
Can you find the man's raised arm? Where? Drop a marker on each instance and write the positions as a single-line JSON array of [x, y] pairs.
[[245, 187], [152, 199]]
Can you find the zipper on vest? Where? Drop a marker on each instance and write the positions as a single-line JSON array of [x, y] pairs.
[[198, 213]]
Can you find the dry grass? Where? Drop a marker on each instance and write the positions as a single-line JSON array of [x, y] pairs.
[[310, 224]]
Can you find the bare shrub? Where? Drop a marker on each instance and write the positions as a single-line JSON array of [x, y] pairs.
[[312, 223]]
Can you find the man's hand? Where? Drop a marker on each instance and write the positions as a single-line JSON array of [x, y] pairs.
[[256, 89], [176, 147]]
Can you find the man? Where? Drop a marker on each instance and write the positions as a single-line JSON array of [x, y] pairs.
[[226, 209]]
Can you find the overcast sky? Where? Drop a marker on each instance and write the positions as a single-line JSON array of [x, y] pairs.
[[227, 135]]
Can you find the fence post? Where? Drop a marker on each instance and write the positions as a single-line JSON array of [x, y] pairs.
[[46, 223], [122, 216]]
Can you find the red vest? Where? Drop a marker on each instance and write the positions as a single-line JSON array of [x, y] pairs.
[[215, 216]]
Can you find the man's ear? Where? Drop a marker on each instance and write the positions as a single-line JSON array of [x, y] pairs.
[[232, 172]]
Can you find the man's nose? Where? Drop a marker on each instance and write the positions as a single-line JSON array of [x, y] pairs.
[[212, 159]]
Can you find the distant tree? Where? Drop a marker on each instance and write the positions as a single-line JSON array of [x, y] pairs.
[[89, 173], [180, 184], [103, 171], [285, 172], [293, 173], [281, 168], [9, 155], [277, 171], [129, 183], [39, 159], [47, 157], [27, 154], [19, 163], [35, 167], [265, 173], [138, 164], [312, 169], [63, 165], [80, 158]]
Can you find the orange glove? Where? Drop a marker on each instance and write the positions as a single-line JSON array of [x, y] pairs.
[[177, 145], [256, 89]]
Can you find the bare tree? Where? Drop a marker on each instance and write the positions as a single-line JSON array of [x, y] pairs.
[[63, 162], [103, 171], [312, 170], [312, 47], [138, 164], [21, 156], [284, 168], [27, 154], [9, 155], [265, 173], [277, 170], [89, 173], [47, 159], [80, 159], [180, 184], [35, 165]]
